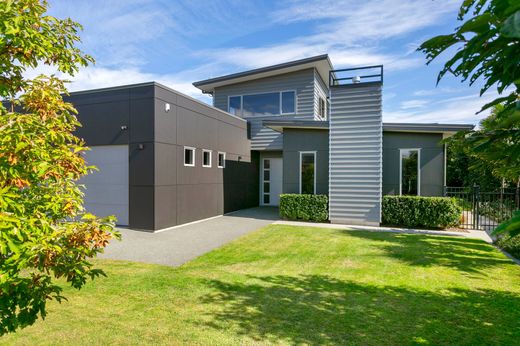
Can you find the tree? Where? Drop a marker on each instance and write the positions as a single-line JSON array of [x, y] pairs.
[[45, 233], [488, 49]]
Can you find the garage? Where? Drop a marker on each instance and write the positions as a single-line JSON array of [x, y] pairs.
[[106, 190]]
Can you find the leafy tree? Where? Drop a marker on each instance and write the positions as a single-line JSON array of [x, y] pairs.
[[488, 49], [45, 234]]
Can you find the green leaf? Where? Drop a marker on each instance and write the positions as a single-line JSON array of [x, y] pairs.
[[511, 27]]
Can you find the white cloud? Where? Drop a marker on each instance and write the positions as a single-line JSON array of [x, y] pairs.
[[437, 91], [351, 36], [410, 104], [452, 110]]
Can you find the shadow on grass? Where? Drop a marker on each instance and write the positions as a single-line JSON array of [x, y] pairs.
[[318, 309], [464, 254]]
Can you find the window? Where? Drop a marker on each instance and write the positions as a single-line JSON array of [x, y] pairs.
[[189, 156], [308, 172], [266, 188], [274, 103], [322, 109], [288, 102], [206, 158], [235, 105], [410, 172], [221, 160]]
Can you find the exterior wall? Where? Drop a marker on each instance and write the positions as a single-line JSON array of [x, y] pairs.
[[263, 138], [355, 154], [104, 115], [432, 161], [320, 90], [163, 192], [305, 140]]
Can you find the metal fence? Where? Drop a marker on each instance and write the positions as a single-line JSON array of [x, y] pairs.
[[484, 210]]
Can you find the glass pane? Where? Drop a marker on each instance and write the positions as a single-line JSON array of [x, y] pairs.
[[267, 175], [221, 160], [234, 105], [288, 105], [267, 164], [266, 187], [206, 158], [261, 104], [307, 174], [409, 172], [266, 199], [188, 156]]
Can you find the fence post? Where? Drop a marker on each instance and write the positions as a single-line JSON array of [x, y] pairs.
[[476, 198]]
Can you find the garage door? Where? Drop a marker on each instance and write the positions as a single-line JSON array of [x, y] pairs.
[[107, 189]]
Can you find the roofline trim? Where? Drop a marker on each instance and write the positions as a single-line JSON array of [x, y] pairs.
[[263, 69]]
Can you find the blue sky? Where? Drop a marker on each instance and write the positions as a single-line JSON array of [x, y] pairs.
[[179, 42]]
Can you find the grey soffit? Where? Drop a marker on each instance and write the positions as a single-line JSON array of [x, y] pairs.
[[279, 125], [320, 62]]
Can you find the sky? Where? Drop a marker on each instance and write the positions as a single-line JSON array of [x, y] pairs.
[[178, 42]]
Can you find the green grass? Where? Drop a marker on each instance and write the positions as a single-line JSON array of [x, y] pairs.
[[299, 285]]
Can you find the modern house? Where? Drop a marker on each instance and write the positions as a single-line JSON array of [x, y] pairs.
[[166, 159]]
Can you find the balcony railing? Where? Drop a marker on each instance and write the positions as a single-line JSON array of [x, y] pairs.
[[356, 75]]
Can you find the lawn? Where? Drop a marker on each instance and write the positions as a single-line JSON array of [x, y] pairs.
[[299, 285]]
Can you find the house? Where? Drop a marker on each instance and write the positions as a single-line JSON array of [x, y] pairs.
[[166, 159]]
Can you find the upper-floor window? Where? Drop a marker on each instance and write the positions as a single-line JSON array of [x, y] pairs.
[[322, 108], [265, 104]]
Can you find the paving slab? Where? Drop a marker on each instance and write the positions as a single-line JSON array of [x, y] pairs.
[[180, 244]]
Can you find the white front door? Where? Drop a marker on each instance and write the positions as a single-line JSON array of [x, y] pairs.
[[271, 177]]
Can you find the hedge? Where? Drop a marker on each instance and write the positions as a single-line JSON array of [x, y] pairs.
[[417, 211], [510, 244], [304, 207]]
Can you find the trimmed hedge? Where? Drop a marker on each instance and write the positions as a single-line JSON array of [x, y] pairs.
[[418, 211], [510, 244], [304, 207]]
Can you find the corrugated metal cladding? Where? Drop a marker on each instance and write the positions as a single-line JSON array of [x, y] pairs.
[[355, 164], [263, 138]]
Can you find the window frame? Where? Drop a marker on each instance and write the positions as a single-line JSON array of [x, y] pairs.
[[210, 157], [315, 154], [194, 151], [280, 92], [322, 100], [401, 169], [223, 159]]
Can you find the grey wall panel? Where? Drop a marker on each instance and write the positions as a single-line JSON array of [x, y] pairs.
[[166, 157], [320, 90], [296, 141], [301, 81], [355, 154], [141, 164], [165, 202], [101, 122], [141, 207], [165, 125], [432, 161]]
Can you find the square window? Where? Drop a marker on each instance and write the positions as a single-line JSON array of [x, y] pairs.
[[206, 158], [221, 160], [266, 187], [189, 156]]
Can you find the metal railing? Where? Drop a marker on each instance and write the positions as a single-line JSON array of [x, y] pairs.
[[349, 76], [484, 210]]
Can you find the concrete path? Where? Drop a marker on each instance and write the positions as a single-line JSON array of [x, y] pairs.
[[180, 244], [468, 234]]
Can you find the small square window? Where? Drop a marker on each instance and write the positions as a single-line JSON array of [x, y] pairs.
[[206, 158], [189, 156], [221, 160]]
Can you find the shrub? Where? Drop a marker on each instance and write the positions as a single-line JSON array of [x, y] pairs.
[[304, 207], [510, 244], [417, 211]]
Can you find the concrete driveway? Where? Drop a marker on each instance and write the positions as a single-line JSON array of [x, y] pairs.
[[178, 245]]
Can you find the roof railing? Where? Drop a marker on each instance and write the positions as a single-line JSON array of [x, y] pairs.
[[356, 75]]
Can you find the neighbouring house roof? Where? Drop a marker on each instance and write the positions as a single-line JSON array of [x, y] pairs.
[[321, 63], [280, 125]]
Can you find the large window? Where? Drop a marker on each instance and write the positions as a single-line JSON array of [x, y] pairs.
[[265, 104], [410, 172], [308, 172]]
